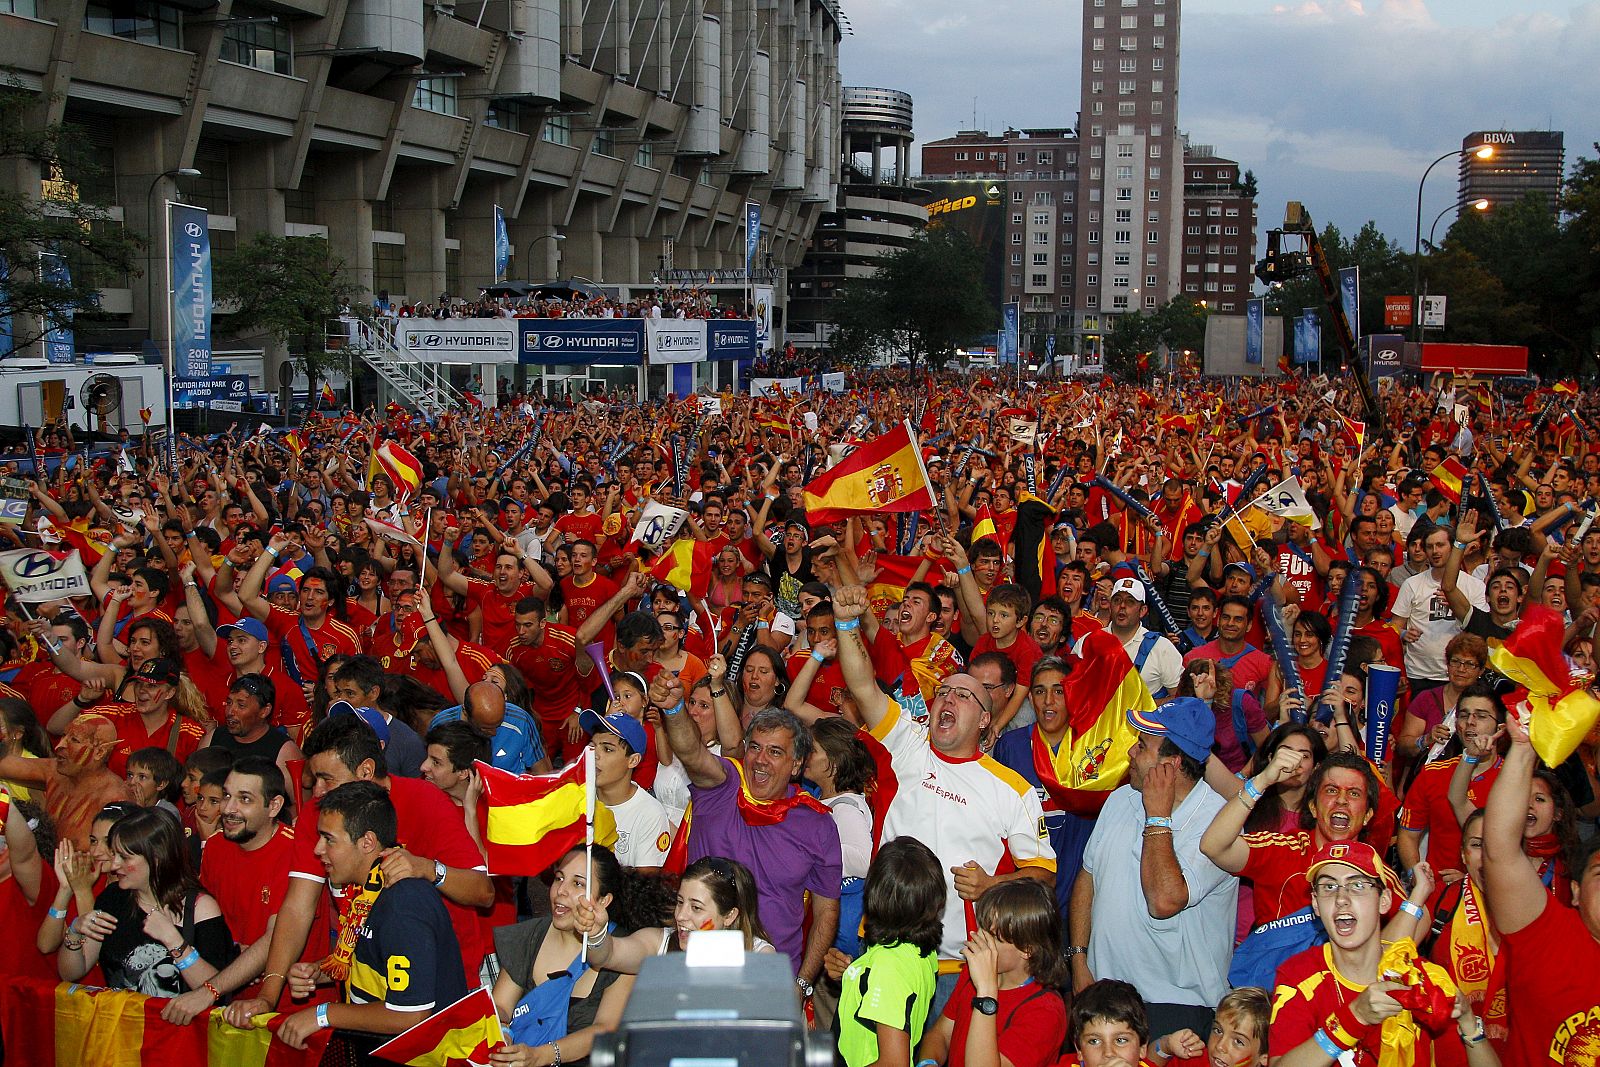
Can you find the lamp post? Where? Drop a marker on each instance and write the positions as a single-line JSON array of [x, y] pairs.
[[557, 237], [1481, 152], [1481, 204], [167, 358]]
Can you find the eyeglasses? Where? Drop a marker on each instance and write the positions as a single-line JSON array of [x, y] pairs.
[[954, 690], [1465, 664], [1355, 887]]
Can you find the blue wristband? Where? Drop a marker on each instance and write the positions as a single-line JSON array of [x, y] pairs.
[[57, 913], [1411, 909], [1327, 1044], [1471, 761], [965, 570], [1250, 790], [818, 656], [1158, 820], [190, 958], [674, 710], [846, 625], [322, 1016]]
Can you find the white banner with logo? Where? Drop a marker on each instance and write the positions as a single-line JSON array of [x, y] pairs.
[[763, 317], [459, 340], [775, 386], [676, 340], [833, 381], [36, 575], [658, 524]]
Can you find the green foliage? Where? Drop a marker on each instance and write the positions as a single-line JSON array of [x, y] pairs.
[[922, 302], [1385, 269], [291, 288], [31, 225], [1177, 325]]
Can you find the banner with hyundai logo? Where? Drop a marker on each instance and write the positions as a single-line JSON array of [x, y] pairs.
[[732, 338], [203, 392], [58, 339], [1383, 354], [189, 264], [36, 575], [459, 340], [502, 244], [581, 341], [676, 340]]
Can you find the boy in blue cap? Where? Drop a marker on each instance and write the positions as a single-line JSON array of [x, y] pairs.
[[644, 832]]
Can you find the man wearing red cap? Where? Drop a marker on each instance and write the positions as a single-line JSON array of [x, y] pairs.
[[1331, 1004]]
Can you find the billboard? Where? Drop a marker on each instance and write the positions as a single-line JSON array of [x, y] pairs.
[[978, 209], [190, 265], [1382, 352], [1225, 346], [459, 340], [208, 392], [581, 341]]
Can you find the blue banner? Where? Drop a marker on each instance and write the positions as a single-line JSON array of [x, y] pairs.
[[6, 341], [1350, 297], [1006, 342], [730, 339], [752, 234], [202, 392], [1050, 348], [58, 341], [190, 263], [1383, 354], [1255, 312], [581, 341], [1307, 337], [502, 245]]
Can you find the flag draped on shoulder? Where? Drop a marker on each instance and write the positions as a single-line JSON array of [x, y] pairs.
[[462, 1034], [1092, 759], [685, 565], [1561, 710], [531, 820], [886, 474]]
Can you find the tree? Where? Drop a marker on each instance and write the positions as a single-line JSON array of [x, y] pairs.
[[290, 288], [56, 221], [1385, 269], [1248, 186], [922, 302], [1128, 336]]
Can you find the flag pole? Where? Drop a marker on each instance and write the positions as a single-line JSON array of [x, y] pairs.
[[588, 835]]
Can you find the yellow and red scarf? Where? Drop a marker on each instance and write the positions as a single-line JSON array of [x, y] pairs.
[[355, 904]]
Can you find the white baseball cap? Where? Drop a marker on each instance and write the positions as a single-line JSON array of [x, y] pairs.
[[1132, 586]]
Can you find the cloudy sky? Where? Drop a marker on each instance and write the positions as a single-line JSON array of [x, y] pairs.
[[1341, 104]]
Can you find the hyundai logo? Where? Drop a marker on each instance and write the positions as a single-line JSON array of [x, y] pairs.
[[35, 565], [193, 229], [433, 340]]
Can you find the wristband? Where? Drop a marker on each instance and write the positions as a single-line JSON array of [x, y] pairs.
[[1157, 820], [1327, 1044], [927, 1063], [965, 570], [1408, 908], [216, 994], [1204, 553], [846, 625], [1461, 545], [322, 1016], [817, 656], [1249, 789], [1160, 1053], [718, 693], [674, 710], [273, 552], [190, 958], [57, 913], [1471, 761]]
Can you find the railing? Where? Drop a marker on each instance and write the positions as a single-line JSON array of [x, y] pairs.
[[426, 386]]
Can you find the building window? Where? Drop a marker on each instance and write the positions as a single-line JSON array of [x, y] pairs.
[[1158, 41], [1099, 22], [1097, 66], [1016, 279], [1098, 44], [1044, 196], [26, 8], [1121, 259], [510, 115], [1041, 219], [1097, 87], [436, 94], [1155, 109], [1066, 237], [1230, 250], [1123, 237], [1119, 281], [1150, 281], [1228, 287], [1212, 231], [1124, 215], [1093, 259], [1016, 259], [1124, 151], [1016, 238], [1099, 107], [1233, 213], [1093, 237], [1041, 238], [1158, 20], [1047, 158], [1119, 303], [140, 21], [1130, 22], [262, 45], [1091, 279], [1127, 87], [558, 129], [1041, 259], [1038, 281], [1066, 261], [1124, 193], [961, 157], [604, 143], [1016, 196], [1022, 157], [1152, 237], [1125, 174], [1016, 218], [1129, 44], [1158, 86], [1091, 301], [980, 155], [1158, 63], [1128, 66], [389, 268], [1230, 231], [645, 155], [1153, 218]]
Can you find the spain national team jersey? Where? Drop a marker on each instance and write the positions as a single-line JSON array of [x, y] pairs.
[[963, 809], [407, 956]]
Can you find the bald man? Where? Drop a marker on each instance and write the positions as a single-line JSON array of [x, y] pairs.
[[76, 780], [514, 741]]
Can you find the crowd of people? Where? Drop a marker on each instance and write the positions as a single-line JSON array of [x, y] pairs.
[[1071, 766], [569, 303]]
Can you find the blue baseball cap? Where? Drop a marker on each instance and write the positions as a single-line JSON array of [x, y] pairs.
[[371, 716], [281, 584], [250, 627], [1188, 721], [624, 726], [1248, 568]]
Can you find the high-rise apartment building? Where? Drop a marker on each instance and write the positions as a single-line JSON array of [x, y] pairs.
[[1130, 159], [1219, 226], [1524, 161]]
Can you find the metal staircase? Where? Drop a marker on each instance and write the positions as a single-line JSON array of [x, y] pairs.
[[426, 386]]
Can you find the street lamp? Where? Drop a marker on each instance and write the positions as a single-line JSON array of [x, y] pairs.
[[1480, 204], [557, 237], [1481, 152]]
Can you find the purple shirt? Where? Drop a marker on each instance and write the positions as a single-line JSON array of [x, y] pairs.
[[789, 858]]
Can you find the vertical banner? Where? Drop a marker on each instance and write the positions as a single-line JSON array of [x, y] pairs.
[[1350, 297], [502, 246], [752, 235], [6, 341], [1255, 312], [58, 340], [1050, 354], [1307, 337], [1007, 341], [763, 315], [190, 270]]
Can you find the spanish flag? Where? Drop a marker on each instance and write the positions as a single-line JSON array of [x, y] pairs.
[[983, 525], [1185, 423], [1566, 387], [1352, 431], [462, 1034], [884, 475], [529, 821], [295, 442], [91, 542], [329, 400], [391, 460], [1449, 477], [58, 1024], [1092, 759], [1561, 710], [686, 565]]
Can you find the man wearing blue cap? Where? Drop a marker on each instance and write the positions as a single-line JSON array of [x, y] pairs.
[[1146, 849], [644, 833], [247, 647]]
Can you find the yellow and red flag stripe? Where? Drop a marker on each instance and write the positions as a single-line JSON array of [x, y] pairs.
[[529, 821], [1092, 759], [59, 1024], [686, 565], [1561, 710], [1449, 477], [462, 1034], [886, 474]]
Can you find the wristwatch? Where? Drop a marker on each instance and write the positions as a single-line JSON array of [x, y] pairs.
[[1076, 950], [439, 870], [806, 988], [986, 1005], [1476, 1038]]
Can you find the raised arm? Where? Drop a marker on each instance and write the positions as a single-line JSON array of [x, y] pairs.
[[703, 769], [849, 605], [1516, 895]]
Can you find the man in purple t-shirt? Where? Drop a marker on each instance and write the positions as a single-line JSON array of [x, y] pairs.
[[789, 841]]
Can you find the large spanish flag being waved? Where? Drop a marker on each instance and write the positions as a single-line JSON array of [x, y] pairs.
[[1561, 709], [529, 821], [461, 1035], [883, 475]]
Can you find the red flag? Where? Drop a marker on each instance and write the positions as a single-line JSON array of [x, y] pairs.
[[884, 475], [686, 565], [464, 1033]]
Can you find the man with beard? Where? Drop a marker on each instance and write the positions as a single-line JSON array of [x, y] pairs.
[[246, 868], [247, 726]]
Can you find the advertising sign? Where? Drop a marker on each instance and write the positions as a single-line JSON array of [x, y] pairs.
[[1350, 297], [190, 264], [460, 340], [763, 314], [1254, 317], [581, 341], [1397, 311], [502, 244], [731, 338], [1383, 354], [676, 340], [229, 389], [58, 335]]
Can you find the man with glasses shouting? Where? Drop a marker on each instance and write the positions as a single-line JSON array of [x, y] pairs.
[[982, 819], [1332, 1004]]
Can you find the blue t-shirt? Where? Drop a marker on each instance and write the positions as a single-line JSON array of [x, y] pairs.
[[1068, 833], [516, 745]]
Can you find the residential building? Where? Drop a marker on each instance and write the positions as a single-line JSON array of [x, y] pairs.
[[1219, 227]]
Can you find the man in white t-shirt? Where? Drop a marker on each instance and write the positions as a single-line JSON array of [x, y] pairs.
[[1424, 617], [1157, 659], [982, 819], [643, 830]]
